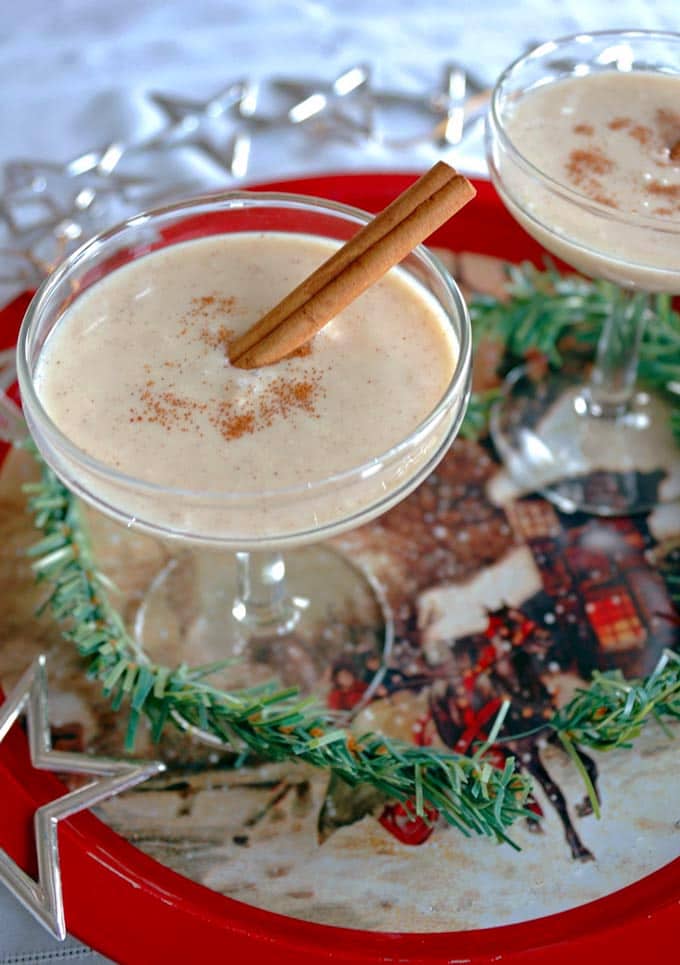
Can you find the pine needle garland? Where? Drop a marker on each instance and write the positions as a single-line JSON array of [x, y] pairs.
[[612, 711], [271, 723], [557, 315]]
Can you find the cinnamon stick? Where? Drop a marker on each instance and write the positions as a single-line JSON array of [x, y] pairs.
[[376, 248]]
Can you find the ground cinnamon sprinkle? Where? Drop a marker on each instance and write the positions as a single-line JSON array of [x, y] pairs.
[[603, 199], [671, 191], [222, 303], [583, 164], [584, 129], [167, 409], [618, 122], [216, 339], [232, 419], [296, 393], [642, 134], [282, 397], [286, 395], [669, 122], [585, 167], [234, 426]]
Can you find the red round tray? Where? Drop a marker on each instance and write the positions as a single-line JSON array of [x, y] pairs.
[[131, 908]]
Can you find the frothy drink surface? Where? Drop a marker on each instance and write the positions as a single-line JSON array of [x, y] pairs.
[[610, 136], [136, 373]]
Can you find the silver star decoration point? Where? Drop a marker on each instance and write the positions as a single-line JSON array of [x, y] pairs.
[[220, 126], [341, 108], [43, 898]]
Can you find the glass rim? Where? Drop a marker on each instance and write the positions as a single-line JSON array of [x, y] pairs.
[[584, 201], [213, 202]]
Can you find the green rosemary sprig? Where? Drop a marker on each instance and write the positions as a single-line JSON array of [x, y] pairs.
[[271, 723], [612, 711], [555, 314]]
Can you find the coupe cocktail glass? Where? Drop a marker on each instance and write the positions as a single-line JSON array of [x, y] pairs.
[[227, 590], [602, 446]]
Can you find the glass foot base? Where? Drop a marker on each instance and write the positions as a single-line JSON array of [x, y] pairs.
[[334, 645], [605, 465]]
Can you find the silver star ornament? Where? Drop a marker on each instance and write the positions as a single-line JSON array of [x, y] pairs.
[[43, 898]]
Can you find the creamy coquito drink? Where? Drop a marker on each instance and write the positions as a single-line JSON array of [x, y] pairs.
[[130, 392], [136, 375], [609, 143], [583, 144]]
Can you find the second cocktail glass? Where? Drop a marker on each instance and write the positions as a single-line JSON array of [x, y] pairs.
[[602, 446], [227, 590]]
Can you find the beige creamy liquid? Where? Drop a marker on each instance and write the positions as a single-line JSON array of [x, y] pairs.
[[135, 374], [608, 136]]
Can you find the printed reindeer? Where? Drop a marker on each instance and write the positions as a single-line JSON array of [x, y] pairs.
[[506, 662]]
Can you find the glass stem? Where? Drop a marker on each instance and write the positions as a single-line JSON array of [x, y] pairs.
[[612, 382], [263, 604]]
